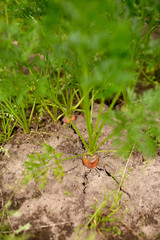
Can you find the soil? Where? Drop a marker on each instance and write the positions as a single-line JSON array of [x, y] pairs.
[[56, 211]]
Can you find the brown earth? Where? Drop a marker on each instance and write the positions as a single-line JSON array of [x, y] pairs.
[[56, 211]]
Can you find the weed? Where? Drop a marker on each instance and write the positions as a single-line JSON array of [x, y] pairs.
[[6, 231], [17, 111], [5, 151], [68, 99], [67, 193], [39, 164], [104, 217], [7, 126], [100, 220]]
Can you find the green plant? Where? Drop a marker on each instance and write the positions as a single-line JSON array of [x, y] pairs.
[[17, 111], [93, 135], [104, 217], [97, 69], [99, 220], [102, 45], [49, 90], [69, 96], [15, 85], [67, 193], [88, 54], [145, 18], [139, 124], [39, 164], [5, 151], [6, 126], [6, 231]]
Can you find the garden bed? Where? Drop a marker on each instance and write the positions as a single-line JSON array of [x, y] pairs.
[[79, 120], [56, 211]]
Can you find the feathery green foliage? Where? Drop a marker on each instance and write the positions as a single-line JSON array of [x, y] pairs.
[[51, 50], [39, 164]]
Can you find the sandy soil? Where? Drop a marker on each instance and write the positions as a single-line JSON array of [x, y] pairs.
[[56, 211]]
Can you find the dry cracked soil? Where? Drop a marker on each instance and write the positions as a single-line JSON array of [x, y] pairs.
[[55, 212]]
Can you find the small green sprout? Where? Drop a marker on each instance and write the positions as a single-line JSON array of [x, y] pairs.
[[67, 193], [39, 164]]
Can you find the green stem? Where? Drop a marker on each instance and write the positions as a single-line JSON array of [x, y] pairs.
[[104, 120], [64, 100], [104, 140], [106, 151], [65, 159], [79, 155], [77, 105], [46, 107], [20, 122], [146, 35], [88, 117], [6, 13], [91, 104], [123, 175], [63, 110], [71, 94], [98, 119], [150, 80], [93, 216], [24, 120], [30, 117]]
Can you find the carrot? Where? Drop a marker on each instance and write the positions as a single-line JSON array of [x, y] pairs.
[[90, 162], [66, 120]]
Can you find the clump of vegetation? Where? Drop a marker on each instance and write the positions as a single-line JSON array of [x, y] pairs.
[[6, 231], [104, 217], [59, 57], [39, 164]]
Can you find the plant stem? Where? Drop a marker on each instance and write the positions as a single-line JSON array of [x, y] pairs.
[[13, 112], [105, 151], [88, 117], [30, 117], [74, 126], [46, 107], [98, 118], [79, 155], [101, 143], [146, 35], [93, 216], [6, 13], [103, 123], [65, 159], [123, 175]]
